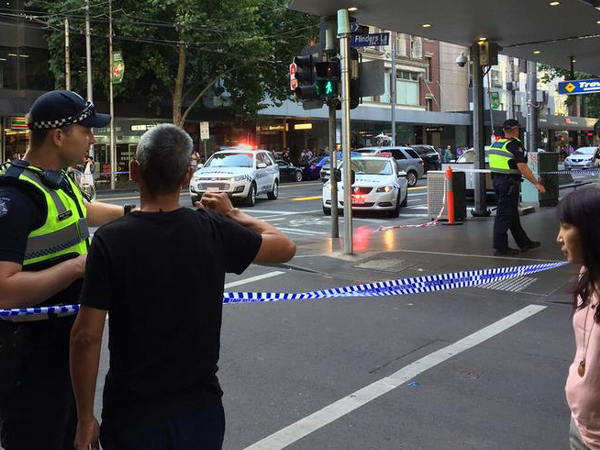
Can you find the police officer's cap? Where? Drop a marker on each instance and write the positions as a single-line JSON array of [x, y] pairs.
[[509, 124], [56, 109]]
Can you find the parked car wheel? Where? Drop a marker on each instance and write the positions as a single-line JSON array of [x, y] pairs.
[[326, 211], [251, 198], [275, 192], [412, 178], [298, 176], [404, 202], [394, 213]]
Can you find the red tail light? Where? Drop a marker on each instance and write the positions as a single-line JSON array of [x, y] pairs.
[[421, 161]]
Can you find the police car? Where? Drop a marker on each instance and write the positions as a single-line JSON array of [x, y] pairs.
[[379, 186], [240, 172]]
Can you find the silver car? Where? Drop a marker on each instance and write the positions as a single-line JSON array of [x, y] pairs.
[[407, 159]]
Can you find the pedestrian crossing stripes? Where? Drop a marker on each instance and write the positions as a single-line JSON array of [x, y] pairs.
[[510, 285]]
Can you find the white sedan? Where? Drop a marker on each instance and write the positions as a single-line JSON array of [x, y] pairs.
[[583, 158], [379, 186]]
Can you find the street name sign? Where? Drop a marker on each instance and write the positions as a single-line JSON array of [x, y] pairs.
[[579, 87], [369, 40]]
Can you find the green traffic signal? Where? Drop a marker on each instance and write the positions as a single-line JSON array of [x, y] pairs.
[[327, 88]]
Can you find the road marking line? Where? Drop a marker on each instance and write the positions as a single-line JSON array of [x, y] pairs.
[[418, 188], [303, 232], [253, 279], [413, 215], [296, 431], [285, 213], [417, 207], [301, 199]]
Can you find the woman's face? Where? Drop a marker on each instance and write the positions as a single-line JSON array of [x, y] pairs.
[[570, 243]]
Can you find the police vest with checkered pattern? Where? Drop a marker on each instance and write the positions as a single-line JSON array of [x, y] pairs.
[[500, 157], [65, 231]]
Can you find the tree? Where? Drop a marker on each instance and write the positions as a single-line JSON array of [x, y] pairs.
[[550, 73], [181, 50]]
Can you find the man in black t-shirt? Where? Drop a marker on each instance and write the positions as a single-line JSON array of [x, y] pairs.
[[159, 272]]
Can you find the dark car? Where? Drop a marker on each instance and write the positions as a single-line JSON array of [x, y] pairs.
[[313, 167], [429, 155], [287, 171]]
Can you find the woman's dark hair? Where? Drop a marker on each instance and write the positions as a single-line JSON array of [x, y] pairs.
[[581, 209]]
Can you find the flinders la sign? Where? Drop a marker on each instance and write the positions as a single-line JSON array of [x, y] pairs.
[[579, 87]]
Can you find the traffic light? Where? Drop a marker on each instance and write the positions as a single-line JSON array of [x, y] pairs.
[[305, 68], [328, 77]]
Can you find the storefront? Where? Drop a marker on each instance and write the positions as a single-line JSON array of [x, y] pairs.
[[15, 138]]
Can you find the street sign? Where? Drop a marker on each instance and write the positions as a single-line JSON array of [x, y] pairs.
[[356, 28], [293, 80], [579, 87], [204, 133], [369, 40]]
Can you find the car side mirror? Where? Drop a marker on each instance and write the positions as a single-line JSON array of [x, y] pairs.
[[261, 166], [337, 175]]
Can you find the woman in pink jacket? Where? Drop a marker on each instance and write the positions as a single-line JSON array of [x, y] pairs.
[[579, 238]]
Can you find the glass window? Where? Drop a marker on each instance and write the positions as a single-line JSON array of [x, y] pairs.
[[407, 93], [416, 47], [386, 97], [34, 64], [401, 44], [230, 160], [411, 153], [9, 68], [397, 154]]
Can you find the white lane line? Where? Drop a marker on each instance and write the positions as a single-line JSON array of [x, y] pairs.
[[287, 436], [253, 279], [302, 232], [417, 207], [417, 195], [283, 213], [413, 215]]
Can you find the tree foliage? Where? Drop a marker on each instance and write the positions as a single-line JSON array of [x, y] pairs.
[[178, 51], [552, 73]]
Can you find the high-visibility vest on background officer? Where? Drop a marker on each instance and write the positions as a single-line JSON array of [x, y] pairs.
[[508, 163], [44, 240]]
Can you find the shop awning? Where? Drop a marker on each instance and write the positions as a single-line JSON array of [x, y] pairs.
[[528, 29]]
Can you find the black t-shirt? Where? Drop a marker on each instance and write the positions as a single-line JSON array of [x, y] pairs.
[[520, 156], [21, 212], [161, 278]]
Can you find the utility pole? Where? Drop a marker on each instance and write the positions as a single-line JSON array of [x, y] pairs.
[[393, 88], [112, 105], [330, 50], [343, 23], [88, 60], [480, 209], [511, 92], [67, 57], [532, 107]]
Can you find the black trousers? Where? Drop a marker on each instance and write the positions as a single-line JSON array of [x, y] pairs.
[[37, 409], [158, 428], [507, 213]]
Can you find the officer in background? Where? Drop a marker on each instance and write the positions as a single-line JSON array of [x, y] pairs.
[[44, 241], [508, 163]]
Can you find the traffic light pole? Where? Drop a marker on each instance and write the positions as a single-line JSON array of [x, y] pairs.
[[344, 35], [335, 227]]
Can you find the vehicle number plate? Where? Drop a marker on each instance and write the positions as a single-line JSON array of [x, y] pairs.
[[212, 188], [358, 201]]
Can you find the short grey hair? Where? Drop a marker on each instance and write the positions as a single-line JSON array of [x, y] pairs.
[[163, 154]]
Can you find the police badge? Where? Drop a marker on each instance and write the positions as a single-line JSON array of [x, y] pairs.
[[4, 202]]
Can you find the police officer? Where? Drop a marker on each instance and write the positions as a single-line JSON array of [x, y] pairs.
[[44, 240], [508, 163]]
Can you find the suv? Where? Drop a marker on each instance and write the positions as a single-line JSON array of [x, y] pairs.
[[407, 159], [429, 155], [239, 172]]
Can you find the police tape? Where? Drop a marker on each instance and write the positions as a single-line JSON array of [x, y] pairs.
[[591, 171], [406, 286], [431, 223]]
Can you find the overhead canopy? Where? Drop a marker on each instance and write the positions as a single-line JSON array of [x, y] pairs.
[[521, 27]]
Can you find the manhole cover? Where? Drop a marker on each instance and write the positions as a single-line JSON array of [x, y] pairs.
[[386, 265]]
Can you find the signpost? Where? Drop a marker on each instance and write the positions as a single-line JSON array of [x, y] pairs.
[[591, 86], [293, 80], [204, 136], [369, 40]]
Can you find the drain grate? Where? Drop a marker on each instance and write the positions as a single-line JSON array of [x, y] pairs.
[[512, 285]]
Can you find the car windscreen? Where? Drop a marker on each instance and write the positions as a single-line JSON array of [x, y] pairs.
[[230, 160], [372, 167], [586, 151]]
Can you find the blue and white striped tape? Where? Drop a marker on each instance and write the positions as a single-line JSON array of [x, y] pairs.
[[405, 286], [594, 171]]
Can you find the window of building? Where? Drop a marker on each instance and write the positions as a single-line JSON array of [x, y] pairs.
[[407, 92], [38, 76], [386, 97], [416, 47], [428, 70], [496, 78], [9, 63], [401, 44], [429, 104]]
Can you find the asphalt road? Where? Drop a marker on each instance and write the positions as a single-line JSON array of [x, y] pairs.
[[475, 368]]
